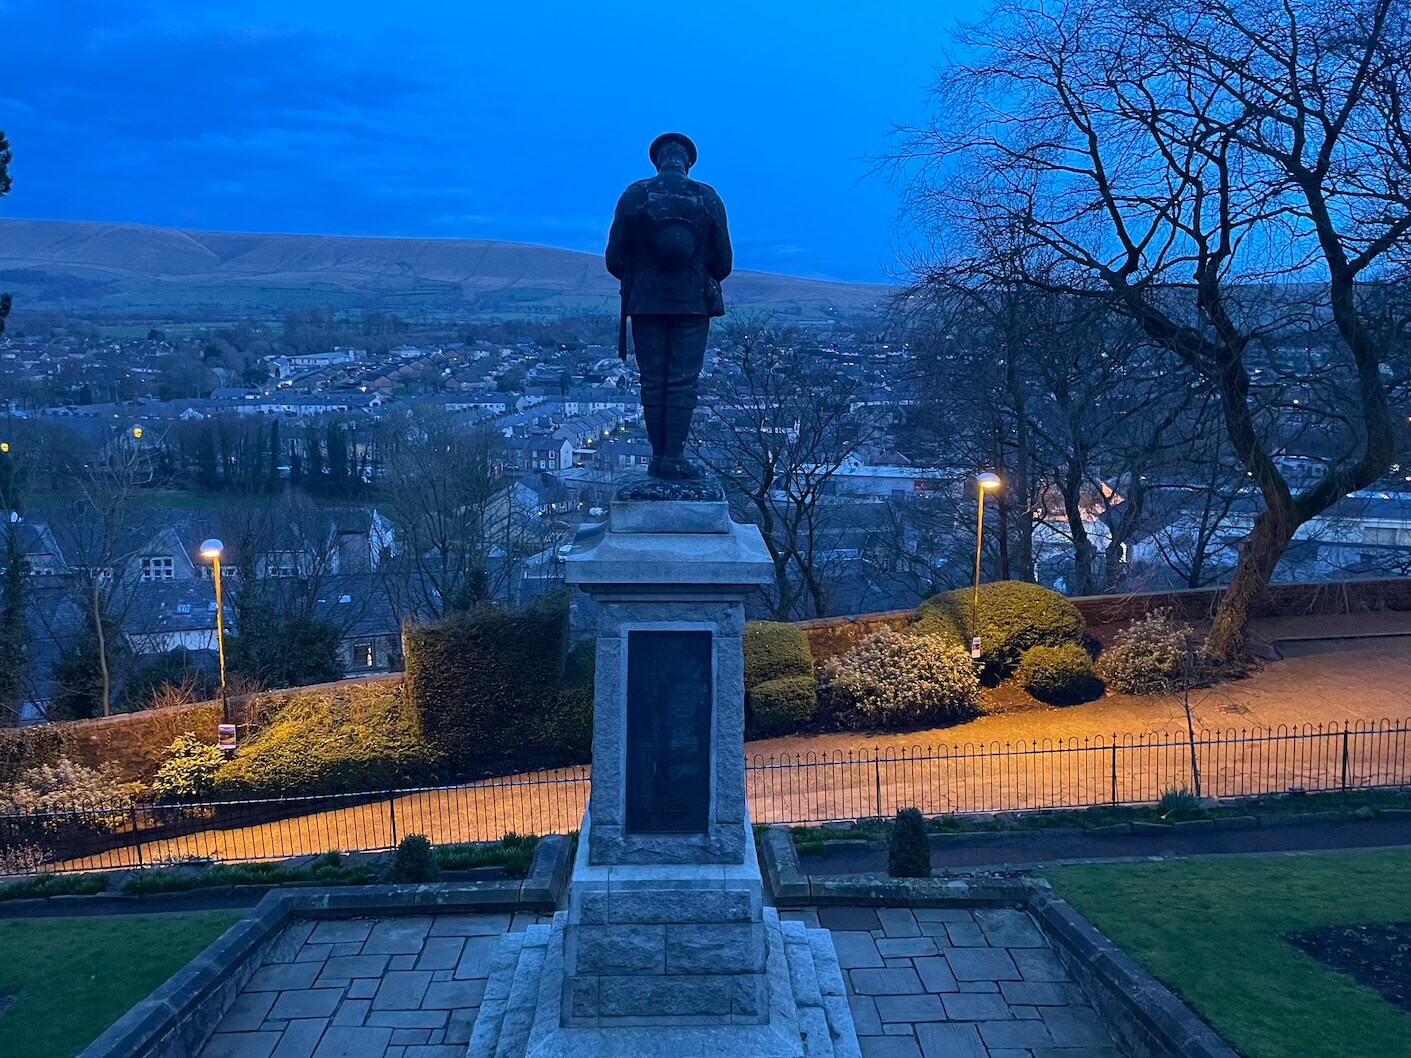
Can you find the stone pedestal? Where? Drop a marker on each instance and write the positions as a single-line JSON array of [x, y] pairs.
[[666, 947]]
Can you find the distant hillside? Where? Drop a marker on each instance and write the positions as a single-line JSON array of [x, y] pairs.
[[129, 269]]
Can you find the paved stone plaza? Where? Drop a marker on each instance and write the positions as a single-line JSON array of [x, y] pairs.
[[957, 983], [923, 983]]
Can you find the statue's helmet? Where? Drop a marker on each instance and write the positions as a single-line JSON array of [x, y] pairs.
[[673, 137]]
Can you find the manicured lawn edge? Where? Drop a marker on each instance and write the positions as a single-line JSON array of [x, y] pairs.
[[176, 1020], [1147, 1016]]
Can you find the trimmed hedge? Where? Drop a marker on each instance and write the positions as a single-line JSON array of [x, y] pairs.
[[780, 707], [775, 650], [1061, 675], [482, 681], [1014, 616], [565, 731], [361, 737]]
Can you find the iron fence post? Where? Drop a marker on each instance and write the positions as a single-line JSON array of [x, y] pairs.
[[392, 814], [136, 836], [877, 783], [1344, 756], [1114, 768]]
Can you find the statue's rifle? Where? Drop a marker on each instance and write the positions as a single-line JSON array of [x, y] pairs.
[[622, 317]]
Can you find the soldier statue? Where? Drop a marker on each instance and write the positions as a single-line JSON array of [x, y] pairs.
[[670, 248]]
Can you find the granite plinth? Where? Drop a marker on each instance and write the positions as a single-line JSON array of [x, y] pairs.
[[673, 561], [644, 487]]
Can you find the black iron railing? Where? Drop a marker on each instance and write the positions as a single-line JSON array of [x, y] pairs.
[[782, 788]]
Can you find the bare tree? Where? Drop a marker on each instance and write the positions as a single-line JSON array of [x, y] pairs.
[[442, 481], [776, 427], [101, 523], [1172, 158]]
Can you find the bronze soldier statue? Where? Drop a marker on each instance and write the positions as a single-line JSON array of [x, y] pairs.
[[670, 247]]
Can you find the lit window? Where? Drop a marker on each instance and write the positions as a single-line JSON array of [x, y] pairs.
[[158, 567], [364, 657]]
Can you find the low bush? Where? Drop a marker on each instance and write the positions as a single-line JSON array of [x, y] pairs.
[[1013, 616], [327, 869], [188, 769], [1148, 656], [775, 650], [1179, 803], [908, 846], [47, 885], [414, 862], [67, 786], [892, 679], [359, 737], [1060, 675], [513, 852], [782, 706]]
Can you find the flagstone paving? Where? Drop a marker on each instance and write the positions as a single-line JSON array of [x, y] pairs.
[[922, 983]]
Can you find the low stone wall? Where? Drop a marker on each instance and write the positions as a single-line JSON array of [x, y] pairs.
[[1146, 1016], [831, 636], [177, 1019]]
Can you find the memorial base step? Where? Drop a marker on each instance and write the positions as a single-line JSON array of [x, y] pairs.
[[522, 1013]]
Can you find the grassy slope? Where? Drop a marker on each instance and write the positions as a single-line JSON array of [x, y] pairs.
[[73, 977], [1213, 931]]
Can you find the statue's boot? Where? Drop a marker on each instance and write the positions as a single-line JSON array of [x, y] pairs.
[[674, 464], [654, 418]]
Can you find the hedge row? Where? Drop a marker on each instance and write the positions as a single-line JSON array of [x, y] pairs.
[[484, 682], [364, 737]]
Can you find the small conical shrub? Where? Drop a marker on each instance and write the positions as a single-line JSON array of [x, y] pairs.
[[414, 862], [908, 847]]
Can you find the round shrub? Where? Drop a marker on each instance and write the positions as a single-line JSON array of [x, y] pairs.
[[909, 846], [1059, 675], [188, 769], [774, 650], [414, 862], [1013, 616], [1147, 656], [895, 679], [782, 706]]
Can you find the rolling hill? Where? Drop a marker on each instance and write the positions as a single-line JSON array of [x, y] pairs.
[[126, 269]]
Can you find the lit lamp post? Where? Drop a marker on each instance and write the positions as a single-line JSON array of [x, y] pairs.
[[212, 549], [986, 482]]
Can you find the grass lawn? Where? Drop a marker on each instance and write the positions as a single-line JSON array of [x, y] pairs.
[[73, 977], [1213, 931]]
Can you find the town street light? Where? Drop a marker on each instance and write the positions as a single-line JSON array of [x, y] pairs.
[[212, 550], [986, 482]]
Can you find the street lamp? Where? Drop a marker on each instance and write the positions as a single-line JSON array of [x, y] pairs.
[[137, 433], [986, 482], [212, 550]]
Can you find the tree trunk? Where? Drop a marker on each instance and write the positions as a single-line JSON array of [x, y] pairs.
[[102, 646], [1273, 531]]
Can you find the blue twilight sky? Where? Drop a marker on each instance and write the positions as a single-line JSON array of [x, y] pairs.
[[466, 119]]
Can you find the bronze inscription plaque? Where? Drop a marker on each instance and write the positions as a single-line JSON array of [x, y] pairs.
[[668, 732]]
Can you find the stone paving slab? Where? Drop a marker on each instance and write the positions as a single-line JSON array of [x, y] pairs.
[[922, 983]]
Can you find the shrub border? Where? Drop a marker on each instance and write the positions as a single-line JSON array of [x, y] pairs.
[[1147, 1016], [178, 1018]]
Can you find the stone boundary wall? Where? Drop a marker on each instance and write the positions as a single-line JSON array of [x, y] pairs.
[[134, 743], [831, 636], [177, 1019]]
